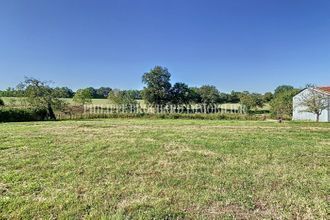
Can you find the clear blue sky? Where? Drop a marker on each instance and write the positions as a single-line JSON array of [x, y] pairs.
[[232, 44]]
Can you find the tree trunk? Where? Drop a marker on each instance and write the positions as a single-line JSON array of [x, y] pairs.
[[51, 112], [317, 117]]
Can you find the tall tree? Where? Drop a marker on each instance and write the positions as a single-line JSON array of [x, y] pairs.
[[40, 95], [208, 94], [283, 88], [83, 96], [251, 101], [234, 97], [103, 92], [281, 104], [157, 90], [268, 96], [314, 102], [180, 94], [119, 97], [63, 92]]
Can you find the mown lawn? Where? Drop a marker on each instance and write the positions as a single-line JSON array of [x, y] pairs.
[[164, 169]]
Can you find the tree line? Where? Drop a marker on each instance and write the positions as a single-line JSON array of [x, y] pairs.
[[157, 90]]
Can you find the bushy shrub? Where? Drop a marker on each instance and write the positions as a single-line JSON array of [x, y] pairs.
[[2, 103], [24, 114]]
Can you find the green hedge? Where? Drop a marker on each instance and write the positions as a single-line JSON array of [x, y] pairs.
[[169, 116], [20, 114]]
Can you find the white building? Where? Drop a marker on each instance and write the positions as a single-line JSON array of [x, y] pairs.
[[298, 108]]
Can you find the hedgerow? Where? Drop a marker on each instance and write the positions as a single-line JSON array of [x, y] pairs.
[[22, 114]]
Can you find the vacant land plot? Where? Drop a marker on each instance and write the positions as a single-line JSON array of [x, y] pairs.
[[164, 169]]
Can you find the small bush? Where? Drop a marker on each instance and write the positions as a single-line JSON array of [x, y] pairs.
[[17, 114], [2, 103]]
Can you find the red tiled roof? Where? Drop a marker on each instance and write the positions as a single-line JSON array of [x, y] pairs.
[[325, 89]]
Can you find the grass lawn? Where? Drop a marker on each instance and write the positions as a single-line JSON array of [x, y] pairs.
[[164, 169]]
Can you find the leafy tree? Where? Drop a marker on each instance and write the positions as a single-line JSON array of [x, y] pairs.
[[119, 97], [194, 95], [283, 88], [180, 94], [136, 94], [157, 90], [226, 98], [314, 102], [281, 104], [251, 101], [12, 92], [268, 96], [208, 94], [102, 92], [93, 92], [63, 92], [41, 96], [234, 97], [83, 96]]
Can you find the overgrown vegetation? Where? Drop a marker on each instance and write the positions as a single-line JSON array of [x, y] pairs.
[[199, 116], [83, 96], [25, 114], [164, 169], [281, 105], [40, 96]]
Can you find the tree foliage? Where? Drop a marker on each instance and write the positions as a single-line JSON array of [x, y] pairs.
[[12, 92], [267, 97], [119, 97], [208, 94], [283, 88], [83, 96], [158, 86], [251, 101], [41, 96], [281, 104], [180, 93], [102, 92], [63, 92]]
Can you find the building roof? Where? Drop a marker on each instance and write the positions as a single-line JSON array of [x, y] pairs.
[[325, 89]]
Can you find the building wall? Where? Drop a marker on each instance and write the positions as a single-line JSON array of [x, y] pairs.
[[298, 110]]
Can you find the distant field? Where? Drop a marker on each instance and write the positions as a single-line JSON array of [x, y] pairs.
[[163, 169]]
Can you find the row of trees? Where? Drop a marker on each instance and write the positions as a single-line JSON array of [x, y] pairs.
[[158, 90], [59, 92]]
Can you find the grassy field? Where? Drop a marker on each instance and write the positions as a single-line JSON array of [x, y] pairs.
[[164, 169]]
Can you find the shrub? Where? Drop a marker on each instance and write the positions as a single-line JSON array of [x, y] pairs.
[[22, 114], [2, 103]]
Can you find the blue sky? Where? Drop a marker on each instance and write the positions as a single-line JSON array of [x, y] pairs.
[[233, 44]]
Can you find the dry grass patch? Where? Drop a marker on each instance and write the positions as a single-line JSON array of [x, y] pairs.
[[164, 169]]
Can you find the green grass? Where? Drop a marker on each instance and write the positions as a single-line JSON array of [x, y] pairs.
[[164, 169]]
